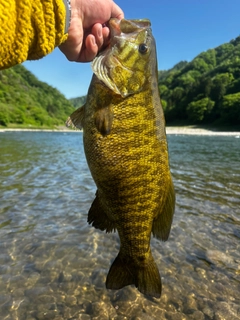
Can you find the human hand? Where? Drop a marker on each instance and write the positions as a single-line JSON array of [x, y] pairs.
[[86, 33]]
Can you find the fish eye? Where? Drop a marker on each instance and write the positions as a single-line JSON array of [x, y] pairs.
[[143, 48]]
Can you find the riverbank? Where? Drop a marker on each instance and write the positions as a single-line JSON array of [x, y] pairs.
[[191, 130], [177, 130]]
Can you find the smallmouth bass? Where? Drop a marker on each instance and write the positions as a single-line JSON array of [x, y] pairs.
[[126, 150]]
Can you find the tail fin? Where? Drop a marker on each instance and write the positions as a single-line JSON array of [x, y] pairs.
[[146, 277]]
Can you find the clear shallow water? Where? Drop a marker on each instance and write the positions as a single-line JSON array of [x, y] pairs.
[[53, 265]]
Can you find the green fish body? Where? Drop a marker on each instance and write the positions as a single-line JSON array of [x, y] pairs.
[[126, 150]]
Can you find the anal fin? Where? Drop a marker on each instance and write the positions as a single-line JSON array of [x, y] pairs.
[[98, 218]]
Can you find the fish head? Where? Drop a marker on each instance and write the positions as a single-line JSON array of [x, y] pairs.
[[129, 60]]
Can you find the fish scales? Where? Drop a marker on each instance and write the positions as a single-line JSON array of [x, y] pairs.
[[126, 150]]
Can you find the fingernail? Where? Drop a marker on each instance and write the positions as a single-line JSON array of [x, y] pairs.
[[93, 41], [99, 32]]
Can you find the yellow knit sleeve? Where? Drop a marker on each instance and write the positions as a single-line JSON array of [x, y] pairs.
[[30, 29]]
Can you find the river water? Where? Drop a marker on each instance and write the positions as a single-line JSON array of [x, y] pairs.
[[53, 265]]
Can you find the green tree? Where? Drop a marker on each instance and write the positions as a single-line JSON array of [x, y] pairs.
[[4, 115], [164, 104], [209, 57], [230, 108], [163, 89], [197, 109], [220, 83]]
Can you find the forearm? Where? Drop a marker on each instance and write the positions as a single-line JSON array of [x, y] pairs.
[[30, 29]]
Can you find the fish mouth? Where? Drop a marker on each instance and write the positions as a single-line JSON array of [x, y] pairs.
[[114, 26], [115, 31], [117, 26], [120, 27]]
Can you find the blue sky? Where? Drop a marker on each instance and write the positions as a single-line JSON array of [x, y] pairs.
[[182, 29]]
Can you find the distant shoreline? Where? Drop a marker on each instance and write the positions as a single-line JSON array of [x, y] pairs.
[[199, 131], [178, 130]]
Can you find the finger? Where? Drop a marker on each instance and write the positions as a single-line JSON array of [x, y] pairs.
[[71, 52], [97, 32], [101, 35], [106, 34], [89, 52], [117, 12]]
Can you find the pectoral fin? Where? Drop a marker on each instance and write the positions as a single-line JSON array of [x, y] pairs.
[[76, 118], [162, 223], [103, 120], [98, 218]]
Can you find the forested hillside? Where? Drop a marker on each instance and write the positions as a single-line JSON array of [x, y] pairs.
[[26, 101], [78, 102], [205, 90]]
